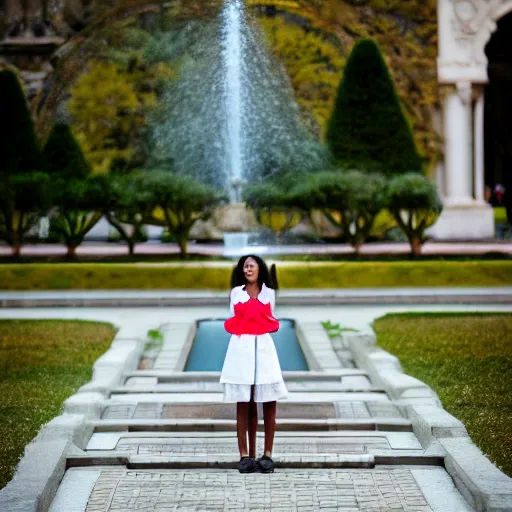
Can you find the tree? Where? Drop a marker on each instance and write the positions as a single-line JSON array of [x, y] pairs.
[[367, 128], [19, 148], [415, 204], [181, 202], [23, 189], [130, 204], [107, 114], [62, 155], [351, 200], [313, 62], [77, 198], [23, 201], [275, 204]]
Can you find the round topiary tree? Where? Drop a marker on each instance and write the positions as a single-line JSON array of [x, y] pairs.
[[367, 128], [415, 204], [351, 200], [274, 203], [180, 202]]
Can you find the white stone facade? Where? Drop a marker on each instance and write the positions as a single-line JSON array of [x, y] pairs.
[[465, 27]]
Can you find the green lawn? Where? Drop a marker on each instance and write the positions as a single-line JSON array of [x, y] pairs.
[[467, 360], [216, 276], [42, 362], [500, 215]]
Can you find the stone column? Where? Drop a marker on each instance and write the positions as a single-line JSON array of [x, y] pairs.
[[458, 139], [479, 148]]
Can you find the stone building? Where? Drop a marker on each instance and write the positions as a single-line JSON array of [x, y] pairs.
[[475, 40]]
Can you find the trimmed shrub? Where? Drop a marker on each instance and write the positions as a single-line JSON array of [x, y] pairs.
[[78, 206], [351, 200], [23, 201], [367, 128], [415, 204], [292, 275], [275, 204], [129, 205], [77, 198], [180, 202]]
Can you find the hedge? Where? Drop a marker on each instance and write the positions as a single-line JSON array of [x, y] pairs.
[[216, 276]]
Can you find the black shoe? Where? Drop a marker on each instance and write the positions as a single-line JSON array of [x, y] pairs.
[[247, 465], [266, 464]]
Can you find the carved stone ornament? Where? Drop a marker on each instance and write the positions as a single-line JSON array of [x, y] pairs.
[[471, 15], [464, 90]]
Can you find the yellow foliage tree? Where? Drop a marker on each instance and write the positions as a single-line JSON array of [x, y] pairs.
[[313, 65], [106, 112]]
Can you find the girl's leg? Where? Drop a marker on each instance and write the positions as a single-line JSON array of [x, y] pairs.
[[269, 417], [253, 425], [242, 416]]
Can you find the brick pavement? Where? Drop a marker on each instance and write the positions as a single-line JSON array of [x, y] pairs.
[[343, 490]]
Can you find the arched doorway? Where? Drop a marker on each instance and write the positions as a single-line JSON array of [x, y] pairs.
[[498, 111]]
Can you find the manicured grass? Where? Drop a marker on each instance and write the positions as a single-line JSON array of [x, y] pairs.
[[216, 276], [467, 360], [500, 215], [42, 362]]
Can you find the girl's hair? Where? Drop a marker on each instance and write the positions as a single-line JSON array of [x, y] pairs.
[[264, 276]]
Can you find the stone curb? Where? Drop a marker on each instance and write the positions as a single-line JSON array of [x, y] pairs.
[[108, 371], [43, 465], [37, 477], [481, 483]]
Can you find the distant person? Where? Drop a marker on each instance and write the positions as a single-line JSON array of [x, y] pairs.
[[251, 371]]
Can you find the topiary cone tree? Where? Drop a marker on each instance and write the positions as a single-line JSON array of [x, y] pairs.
[[78, 198], [19, 148], [23, 190], [367, 128]]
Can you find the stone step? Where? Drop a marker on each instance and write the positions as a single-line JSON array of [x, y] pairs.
[[167, 376], [218, 461], [221, 410], [284, 441], [167, 444], [209, 425], [404, 488], [203, 397], [149, 385]]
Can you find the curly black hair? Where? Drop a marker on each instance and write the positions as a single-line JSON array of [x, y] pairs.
[[264, 275]]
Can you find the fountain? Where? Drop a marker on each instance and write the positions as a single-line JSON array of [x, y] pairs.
[[235, 244], [231, 119], [232, 50]]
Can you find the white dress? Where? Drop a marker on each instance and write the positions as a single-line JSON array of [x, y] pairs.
[[252, 360]]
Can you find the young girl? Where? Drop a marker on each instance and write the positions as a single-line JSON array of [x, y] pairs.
[[251, 371]]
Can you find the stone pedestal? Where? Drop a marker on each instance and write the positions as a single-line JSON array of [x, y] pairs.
[[230, 218], [472, 221]]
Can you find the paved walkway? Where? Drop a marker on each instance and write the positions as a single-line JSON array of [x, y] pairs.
[[90, 249], [135, 322], [499, 295], [341, 445], [162, 440]]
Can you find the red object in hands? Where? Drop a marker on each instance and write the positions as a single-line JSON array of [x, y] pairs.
[[252, 317]]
